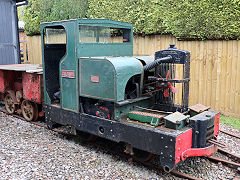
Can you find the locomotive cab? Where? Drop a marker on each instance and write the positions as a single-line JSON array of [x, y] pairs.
[[65, 42]]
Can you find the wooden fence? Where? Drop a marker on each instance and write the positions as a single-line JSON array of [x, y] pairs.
[[34, 49], [215, 68]]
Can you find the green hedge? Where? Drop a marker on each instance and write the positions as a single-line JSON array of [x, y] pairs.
[[185, 19], [52, 10], [203, 19], [146, 15]]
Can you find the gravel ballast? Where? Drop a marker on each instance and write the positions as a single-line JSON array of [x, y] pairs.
[[31, 152]]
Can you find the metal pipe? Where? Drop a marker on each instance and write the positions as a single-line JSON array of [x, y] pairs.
[[22, 3], [155, 63]]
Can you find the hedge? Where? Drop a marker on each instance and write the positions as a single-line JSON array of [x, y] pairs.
[[52, 10], [203, 19], [146, 15], [184, 19]]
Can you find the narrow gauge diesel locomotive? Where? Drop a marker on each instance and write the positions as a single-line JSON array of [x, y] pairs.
[[93, 83]]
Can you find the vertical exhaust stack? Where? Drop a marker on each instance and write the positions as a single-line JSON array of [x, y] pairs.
[[164, 78], [178, 57]]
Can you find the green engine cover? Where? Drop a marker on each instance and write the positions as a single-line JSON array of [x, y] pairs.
[[106, 78]]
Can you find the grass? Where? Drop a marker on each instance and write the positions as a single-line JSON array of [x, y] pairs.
[[231, 121]]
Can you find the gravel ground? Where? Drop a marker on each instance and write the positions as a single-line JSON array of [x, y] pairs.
[[232, 142], [31, 152]]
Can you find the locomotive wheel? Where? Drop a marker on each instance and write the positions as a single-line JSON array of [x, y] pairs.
[[35, 111], [50, 125], [142, 155], [29, 110], [9, 104], [87, 137], [102, 112]]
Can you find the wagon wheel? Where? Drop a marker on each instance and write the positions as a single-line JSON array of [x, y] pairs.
[[9, 104], [29, 110], [142, 155]]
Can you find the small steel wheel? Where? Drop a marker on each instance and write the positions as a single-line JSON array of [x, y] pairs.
[[29, 110], [142, 155], [86, 137], [50, 125], [9, 104]]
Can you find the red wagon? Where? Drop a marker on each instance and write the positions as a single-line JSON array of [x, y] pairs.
[[21, 88]]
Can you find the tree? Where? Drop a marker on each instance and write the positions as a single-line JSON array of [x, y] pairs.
[[32, 18], [20, 12]]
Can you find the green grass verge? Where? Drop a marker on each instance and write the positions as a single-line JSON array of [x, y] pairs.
[[231, 121]]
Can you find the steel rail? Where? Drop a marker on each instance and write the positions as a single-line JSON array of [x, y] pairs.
[[229, 154], [226, 162], [219, 144], [230, 134]]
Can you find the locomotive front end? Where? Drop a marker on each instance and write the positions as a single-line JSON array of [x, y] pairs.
[[191, 131]]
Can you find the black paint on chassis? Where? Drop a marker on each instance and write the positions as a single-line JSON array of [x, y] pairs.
[[157, 141]]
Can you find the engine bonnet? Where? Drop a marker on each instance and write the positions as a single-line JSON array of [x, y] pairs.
[[106, 77]]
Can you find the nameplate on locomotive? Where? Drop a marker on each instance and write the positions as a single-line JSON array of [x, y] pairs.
[[95, 79], [68, 74]]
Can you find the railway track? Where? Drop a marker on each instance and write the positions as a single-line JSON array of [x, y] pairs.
[[229, 154], [226, 162], [122, 155], [176, 173], [230, 134]]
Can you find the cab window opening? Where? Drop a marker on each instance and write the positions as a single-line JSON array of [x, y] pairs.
[[99, 34], [54, 50]]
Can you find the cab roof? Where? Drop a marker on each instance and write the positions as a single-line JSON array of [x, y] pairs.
[[98, 22]]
